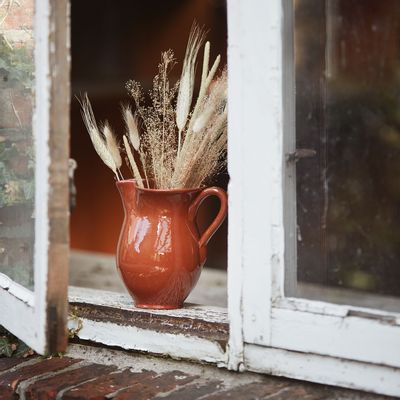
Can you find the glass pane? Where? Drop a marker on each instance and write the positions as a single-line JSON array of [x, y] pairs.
[[347, 77], [16, 141]]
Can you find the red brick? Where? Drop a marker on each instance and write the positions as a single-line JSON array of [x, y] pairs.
[[97, 389], [307, 392], [20, 17], [9, 362], [148, 388], [195, 391], [46, 389], [256, 390], [7, 394], [10, 380]]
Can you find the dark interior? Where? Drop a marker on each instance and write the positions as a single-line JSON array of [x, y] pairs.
[[113, 42]]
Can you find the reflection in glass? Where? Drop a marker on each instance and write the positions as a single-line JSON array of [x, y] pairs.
[[16, 141], [347, 77]]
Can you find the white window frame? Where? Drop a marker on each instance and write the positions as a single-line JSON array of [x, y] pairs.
[[310, 340], [304, 339], [38, 317]]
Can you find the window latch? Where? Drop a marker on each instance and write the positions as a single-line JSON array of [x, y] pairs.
[[298, 154]]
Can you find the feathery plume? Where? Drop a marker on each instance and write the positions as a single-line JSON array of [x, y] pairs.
[[199, 152], [135, 169], [95, 135], [203, 89], [178, 146], [131, 122], [185, 93], [112, 144], [206, 60]]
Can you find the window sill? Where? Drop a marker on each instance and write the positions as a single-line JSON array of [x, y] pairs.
[[195, 332]]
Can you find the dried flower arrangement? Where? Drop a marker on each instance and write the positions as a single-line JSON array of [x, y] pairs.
[[167, 144]]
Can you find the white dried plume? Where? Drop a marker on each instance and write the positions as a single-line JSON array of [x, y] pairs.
[[112, 144], [95, 135], [185, 93], [131, 122], [202, 120], [213, 104], [212, 72], [135, 169], [207, 77], [206, 60], [201, 151]]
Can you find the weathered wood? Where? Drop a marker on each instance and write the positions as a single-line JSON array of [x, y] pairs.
[[177, 346], [41, 312], [193, 332], [175, 324], [236, 137], [345, 337], [124, 301], [323, 369], [256, 158], [352, 339], [58, 201]]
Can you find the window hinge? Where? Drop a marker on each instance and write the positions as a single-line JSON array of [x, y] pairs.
[[299, 154]]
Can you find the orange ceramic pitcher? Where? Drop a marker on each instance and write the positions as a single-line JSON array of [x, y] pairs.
[[160, 251]]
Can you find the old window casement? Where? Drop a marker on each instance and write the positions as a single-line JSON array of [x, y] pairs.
[[34, 173], [312, 285]]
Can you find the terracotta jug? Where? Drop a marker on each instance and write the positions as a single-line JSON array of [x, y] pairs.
[[160, 251]]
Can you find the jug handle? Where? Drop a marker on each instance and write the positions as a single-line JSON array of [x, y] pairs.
[[211, 191]]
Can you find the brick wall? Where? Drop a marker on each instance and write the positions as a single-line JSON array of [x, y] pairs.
[[17, 26]]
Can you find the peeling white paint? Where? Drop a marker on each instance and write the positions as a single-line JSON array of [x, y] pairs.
[[258, 312], [41, 127], [351, 337], [254, 161], [133, 338], [17, 290], [323, 369], [124, 302], [21, 311], [18, 317], [235, 205]]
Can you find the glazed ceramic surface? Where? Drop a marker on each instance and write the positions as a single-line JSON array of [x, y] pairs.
[[160, 251]]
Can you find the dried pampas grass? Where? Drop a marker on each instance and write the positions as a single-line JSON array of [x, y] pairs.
[[169, 144], [131, 122], [97, 138], [185, 93], [132, 163], [112, 146]]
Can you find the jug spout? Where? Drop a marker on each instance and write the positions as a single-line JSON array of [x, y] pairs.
[[127, 191]]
